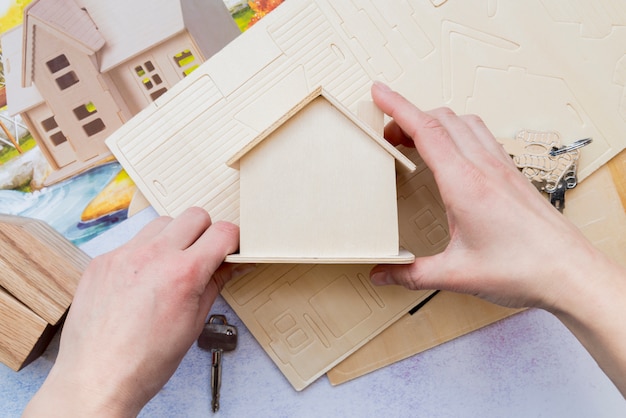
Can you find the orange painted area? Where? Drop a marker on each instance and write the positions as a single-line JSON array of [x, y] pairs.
[[114, 197]]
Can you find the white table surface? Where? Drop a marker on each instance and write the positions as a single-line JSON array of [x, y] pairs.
[[528, 365]]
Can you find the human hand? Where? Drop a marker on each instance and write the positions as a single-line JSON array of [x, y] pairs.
[[136, 312], [507, 243]]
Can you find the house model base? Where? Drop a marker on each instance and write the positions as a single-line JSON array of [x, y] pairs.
[[403, 257]]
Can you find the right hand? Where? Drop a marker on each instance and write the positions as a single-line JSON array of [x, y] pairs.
[[507, 243]]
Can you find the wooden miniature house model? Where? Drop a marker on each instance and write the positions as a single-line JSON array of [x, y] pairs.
[[319, 186], [78, 69], [40, 273]]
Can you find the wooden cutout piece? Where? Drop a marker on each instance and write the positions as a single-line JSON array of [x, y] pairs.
[[309, 317], [447, 316], [319, 187]]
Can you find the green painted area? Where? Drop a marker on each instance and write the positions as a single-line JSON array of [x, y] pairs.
[[7, 152], [242, 18]]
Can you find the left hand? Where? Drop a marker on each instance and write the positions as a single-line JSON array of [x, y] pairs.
[[136, 312]]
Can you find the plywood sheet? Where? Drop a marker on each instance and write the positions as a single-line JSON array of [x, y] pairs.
[[310, 317], [540, 65], [594, 206]]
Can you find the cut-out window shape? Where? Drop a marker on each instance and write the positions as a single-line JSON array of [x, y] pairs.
[[183, 59], [140, 71], [49, 124], [157, 79], [158, 93], [67, 80], [94, 127], [149, 66], [85, 111], [147, 83], [58, 63], [58, 138]]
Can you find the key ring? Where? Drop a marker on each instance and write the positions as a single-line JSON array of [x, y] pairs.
[[571, 147]]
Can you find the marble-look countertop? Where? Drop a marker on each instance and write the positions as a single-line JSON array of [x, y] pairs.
[[528, 365]]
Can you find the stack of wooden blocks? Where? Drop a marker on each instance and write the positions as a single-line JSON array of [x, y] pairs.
[[39, 272]]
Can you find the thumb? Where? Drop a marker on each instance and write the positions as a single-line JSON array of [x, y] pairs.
[[423, 273]]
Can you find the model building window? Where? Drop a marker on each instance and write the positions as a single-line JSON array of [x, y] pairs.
[[67, 80], [58, 138], [49, 124], [58, 63], [52, 129], [94, 127], [84, 111], [150, 79], [186, 61]]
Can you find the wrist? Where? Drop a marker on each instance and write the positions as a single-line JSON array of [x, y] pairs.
[[66, 395]]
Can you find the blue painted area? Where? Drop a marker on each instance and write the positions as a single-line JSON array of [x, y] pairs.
[[62, 204]]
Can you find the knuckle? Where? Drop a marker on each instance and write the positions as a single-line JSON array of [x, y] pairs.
[[198, 212], [226, 228], [473, 119]]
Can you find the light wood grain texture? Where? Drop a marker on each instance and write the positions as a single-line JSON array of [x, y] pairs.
[[319, 187], [23, 334], [618, 171], [485, 60], [39, 266], [445, 317]]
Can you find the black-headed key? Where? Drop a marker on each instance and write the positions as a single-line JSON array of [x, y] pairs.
[[218, 336]]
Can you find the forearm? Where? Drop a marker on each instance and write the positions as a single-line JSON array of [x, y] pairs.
[[593, 309]]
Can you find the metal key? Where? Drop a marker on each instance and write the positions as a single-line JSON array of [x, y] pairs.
[[218, 336]]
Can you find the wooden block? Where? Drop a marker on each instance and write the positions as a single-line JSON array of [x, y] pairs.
[[40, 267], [23, 334], [40, 270]]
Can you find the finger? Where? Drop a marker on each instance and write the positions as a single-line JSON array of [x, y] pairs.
[[215, 285], [396, 136], [423, 273], [219, 240], [185, 229], [480, 130], [432, 140], [152, 229]]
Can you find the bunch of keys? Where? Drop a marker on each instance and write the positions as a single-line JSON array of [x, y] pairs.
[[218, 336], [550, 166]]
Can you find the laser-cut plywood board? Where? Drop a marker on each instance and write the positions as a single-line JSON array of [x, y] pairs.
[[594, 206], [540, 65]]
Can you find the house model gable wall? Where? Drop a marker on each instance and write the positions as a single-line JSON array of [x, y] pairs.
[[317, 186]]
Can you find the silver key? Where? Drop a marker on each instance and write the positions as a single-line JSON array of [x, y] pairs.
[[218, 336]]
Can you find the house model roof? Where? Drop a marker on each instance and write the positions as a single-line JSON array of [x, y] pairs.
[[401, 159], [117, 29], [131, 27]]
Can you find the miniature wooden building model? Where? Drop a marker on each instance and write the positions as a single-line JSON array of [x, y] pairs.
[[319, 186], [95, 64], [40, 272]]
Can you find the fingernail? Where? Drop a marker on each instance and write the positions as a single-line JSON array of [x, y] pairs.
[[382, 86], [381, 278]]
